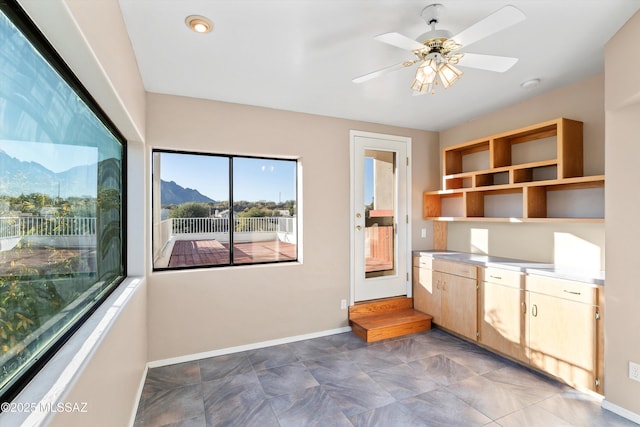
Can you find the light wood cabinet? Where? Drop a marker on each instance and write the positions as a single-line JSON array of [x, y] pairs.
[[427, 295], [502, 313], [551, 324], [564, 328], [447, 291], [459, 304], [513, 175]]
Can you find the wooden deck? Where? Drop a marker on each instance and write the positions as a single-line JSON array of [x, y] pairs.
[[212, 252], [17, 261], [188, 253]]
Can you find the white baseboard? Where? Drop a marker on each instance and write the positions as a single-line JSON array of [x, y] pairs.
[[238, 349], [138, 396], [621, 411]]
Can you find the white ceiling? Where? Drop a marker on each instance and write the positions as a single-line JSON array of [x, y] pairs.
[[300, 55]]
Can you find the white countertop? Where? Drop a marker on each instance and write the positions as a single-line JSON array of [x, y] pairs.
[[529, 267]]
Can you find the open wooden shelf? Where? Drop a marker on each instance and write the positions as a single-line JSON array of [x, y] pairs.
[[470, 185]]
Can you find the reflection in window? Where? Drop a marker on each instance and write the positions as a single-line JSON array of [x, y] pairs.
[[61, 205], [214, 210]]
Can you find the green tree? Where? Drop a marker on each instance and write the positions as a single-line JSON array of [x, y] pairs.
[[254, 212], [190, 210], [26, 302]]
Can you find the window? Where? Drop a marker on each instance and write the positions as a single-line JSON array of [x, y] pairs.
[[61, 202], [216, 210]]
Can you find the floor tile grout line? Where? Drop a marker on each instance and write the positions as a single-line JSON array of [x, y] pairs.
[[328, 349]]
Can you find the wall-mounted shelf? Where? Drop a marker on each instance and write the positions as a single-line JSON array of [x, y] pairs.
[[510, 177]]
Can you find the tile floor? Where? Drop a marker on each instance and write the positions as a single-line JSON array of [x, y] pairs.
[[426, 379]]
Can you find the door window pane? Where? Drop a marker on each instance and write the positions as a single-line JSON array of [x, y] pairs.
[[380, 196]]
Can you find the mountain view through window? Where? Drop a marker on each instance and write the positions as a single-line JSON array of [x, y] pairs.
[[215, 210]]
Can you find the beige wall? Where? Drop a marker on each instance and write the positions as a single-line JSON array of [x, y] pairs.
[[110, 381], [584, 101], [207, 309], [622, 341]]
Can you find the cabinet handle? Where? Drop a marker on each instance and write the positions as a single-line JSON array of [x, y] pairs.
[[523, 305], [572, 292], [534, 310], [444, 285], [495, 277]]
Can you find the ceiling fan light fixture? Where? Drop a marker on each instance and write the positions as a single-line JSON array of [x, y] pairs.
[[432, 70], [425, 78], [199, 24], [426, 72], [448, 74], [423, 87], [437, 52]]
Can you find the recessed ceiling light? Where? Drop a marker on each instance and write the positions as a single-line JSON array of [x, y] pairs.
[[528, 84], [199, 24]]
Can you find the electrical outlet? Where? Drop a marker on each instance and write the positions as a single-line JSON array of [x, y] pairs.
[[423, 233], [634, 371], [343, 304]]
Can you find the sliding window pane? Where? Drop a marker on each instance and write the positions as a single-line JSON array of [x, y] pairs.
[[264, 210], [190, 210]]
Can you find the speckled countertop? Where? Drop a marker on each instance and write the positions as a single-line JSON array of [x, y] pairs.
[[529, 267]]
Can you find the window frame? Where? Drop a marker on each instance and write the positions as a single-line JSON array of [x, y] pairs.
[[19, 18], [230, 158]]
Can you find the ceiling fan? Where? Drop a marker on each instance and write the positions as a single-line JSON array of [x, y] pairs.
[[438, 52]]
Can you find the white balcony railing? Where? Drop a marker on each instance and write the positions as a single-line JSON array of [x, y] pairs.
[[245, 229], [47, 231], [82, 226], [241, 224], [49, 227], [9, 227]]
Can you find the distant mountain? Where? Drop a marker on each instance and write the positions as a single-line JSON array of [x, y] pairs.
[[18, 177], [174, 194]]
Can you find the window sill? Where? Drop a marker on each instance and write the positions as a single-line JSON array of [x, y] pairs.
[[36, 403]]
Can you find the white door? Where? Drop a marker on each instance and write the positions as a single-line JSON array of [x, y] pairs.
[[380, 239]]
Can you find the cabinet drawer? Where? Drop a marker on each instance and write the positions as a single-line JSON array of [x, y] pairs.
[[456, 268], [422, 261], [560, 288], [503, 277]]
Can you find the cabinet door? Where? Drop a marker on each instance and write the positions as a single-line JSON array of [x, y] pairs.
[[562, 339], [460, 305], [502, 321], [426, 292]]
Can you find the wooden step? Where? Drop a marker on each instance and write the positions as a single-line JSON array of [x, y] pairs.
[[388, 318]]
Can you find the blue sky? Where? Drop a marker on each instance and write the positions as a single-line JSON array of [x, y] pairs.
[[255, 179], [368, 180], [55, 157]]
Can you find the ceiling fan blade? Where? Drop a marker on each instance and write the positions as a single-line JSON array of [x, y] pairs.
[[382, 71], [487, 62], [398, 40], [499, 20]]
